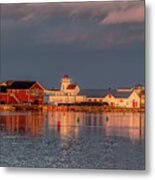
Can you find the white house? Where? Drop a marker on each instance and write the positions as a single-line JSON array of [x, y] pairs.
[[126, 99], [122, 97]]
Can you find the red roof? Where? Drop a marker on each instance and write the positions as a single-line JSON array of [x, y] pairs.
[[71, 86], [66, 76]]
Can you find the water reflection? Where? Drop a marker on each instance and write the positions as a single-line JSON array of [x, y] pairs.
[[130, 125], [65, 124], [22, 123]]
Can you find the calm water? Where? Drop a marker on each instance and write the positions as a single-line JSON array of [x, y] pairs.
[[72, 140]]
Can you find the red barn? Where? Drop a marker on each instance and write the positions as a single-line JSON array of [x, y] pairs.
[[16, 92]]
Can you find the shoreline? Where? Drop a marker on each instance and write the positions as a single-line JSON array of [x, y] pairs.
[[74, 108]]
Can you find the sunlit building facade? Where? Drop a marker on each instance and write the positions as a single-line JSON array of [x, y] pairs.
[[68, 93]]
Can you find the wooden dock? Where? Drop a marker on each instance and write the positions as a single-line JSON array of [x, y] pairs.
[[94, 109], [91, 109]]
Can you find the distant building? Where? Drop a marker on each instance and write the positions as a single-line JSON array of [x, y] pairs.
[[140, 90], [126, 99], [68, 88], [68, 93], [121, 97], [71, 93], [16, 92], [19, 92]]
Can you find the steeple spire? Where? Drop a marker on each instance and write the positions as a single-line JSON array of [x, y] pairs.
[[65, 82]]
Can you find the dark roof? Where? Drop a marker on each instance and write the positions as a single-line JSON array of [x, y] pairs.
[[21, 84], [71, 86], [9, 82], [54, 89], [99, 93], [121, 94], [3, 89], [94, 92]]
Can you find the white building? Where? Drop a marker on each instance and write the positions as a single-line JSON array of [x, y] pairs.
[[121, 97], [68, 93], [126, 99]]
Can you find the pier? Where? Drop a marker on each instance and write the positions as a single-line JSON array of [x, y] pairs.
[[74, 108]]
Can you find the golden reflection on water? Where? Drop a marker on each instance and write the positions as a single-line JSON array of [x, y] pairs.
[[19, 123], [67, 121], [129, 125]]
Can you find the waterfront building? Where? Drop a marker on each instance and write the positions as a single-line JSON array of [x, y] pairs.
[[18, 92], [70, 93], [126, 99], [67, 94], [121, 97], [28, 92]]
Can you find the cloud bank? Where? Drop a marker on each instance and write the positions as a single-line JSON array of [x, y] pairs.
[[93, 24]]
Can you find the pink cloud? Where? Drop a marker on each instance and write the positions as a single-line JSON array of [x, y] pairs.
[[134, 14], [70, 30], [108, 12]]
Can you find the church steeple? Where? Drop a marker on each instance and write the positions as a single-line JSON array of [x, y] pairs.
[[65, 82]]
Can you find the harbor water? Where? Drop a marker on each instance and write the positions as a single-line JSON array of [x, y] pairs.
[[72, 140]]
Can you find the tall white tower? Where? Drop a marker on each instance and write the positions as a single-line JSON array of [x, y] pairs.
[[65, 82]]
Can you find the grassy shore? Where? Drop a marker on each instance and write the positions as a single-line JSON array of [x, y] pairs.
[[95, 109]]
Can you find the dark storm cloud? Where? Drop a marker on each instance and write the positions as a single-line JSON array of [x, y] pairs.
[[58, 38]]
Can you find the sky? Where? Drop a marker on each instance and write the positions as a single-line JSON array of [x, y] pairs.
[[98, 44]]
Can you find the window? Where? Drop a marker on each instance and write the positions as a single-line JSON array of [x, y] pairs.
[[133, 103]]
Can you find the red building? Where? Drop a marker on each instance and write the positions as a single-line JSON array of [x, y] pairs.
[[16, 92]]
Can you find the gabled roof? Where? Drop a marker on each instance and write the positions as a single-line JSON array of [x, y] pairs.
[[118, 94], [9, 82], [21, 84], [71, 86], [101, 93]]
